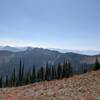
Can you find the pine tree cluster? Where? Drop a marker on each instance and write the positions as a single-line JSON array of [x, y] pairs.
[[45, 73], [97, 64]]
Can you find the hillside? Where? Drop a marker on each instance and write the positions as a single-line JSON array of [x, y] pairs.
[[38, 56], [82, 87]]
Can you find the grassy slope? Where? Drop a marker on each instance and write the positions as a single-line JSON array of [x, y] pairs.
[[83, 87]]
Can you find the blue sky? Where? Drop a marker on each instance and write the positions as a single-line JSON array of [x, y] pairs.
[[65, 24]]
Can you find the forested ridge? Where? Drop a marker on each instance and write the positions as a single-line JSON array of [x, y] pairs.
[[44, 73]]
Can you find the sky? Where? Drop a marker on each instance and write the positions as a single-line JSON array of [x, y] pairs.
[[64, 24]]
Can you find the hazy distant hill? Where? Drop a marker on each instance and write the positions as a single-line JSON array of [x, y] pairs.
[[85, 52], [13, 49], [39, 57]]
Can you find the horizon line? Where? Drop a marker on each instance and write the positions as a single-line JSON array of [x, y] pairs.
[[16, 46]]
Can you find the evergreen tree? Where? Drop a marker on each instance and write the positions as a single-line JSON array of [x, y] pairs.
[[97, 65], [53, 72], [38, 75], [33, 75], [7, 81], [13, 78], [20, 73], [1, 85], [41, 74], [59, 71], [70, 71], [47, 73], [50, 73], [85, 71], [67, 69], [27, 78]]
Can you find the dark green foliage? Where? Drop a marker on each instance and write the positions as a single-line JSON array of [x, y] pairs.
[[44, 73], [59, 71], [19, 74], [1, 82], [13, 78], [97, 65], [50, 73], [38, 76], [47, 72], [33, 75], [6, 82], [85, 71], [53, 73], [27, 78], [67, 69], [70, 70], [22, 73], [41, 74]]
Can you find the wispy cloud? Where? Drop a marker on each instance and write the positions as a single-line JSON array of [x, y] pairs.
[[14, 42], [21, 43]]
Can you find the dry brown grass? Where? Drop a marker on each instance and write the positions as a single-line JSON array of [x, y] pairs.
[[83, 87]]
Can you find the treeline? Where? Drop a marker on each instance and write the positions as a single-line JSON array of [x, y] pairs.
[[96, 65], [44, 73]]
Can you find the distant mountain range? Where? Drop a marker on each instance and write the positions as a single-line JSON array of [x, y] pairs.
[[13, 49], [10, 58], [85, 52]]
